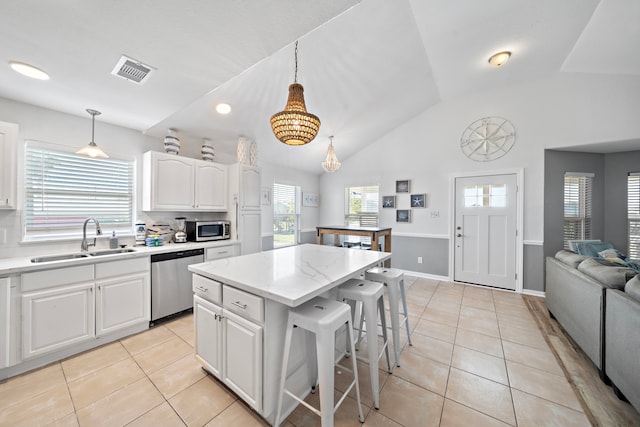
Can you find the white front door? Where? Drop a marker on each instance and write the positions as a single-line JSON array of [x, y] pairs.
[[485, 230]]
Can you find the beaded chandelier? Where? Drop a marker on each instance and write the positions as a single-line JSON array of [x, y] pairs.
[[331, 163], [293, 125]]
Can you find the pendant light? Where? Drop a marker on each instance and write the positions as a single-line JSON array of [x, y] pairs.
[[331, 163], [294, 126], [92, 149]]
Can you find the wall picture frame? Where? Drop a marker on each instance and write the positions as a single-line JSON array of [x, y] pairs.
[[418, 200], [403, 215], [403, 186], [265, 196], [310, 200], [388, 201]]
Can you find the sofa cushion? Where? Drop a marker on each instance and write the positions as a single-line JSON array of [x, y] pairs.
[[572, 259], [632, 288], [606, 272]]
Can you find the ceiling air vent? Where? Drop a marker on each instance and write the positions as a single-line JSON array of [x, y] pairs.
[[132, 70]]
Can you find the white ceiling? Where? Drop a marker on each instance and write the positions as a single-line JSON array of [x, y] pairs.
[[367, 66]]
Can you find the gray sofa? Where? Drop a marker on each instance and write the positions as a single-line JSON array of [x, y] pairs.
[[578, 289]]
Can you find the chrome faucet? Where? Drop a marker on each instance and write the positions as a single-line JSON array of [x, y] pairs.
[[84, 246]]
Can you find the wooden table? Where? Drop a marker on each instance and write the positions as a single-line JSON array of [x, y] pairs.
[[375, 233]]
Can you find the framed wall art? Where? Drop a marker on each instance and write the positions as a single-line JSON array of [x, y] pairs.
[[418, 200], [265, 196], [388, 201], [310, 199], [403, 215], [403, 186]]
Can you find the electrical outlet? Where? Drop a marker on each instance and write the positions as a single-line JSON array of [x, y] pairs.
[[419, 260], [435, 214]]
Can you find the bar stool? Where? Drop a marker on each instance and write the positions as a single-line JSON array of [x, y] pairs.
[[323, 317], [370, 294], [393, 280]]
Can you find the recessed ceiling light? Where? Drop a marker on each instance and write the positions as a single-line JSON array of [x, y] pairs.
[[223, 108], [498, 59], [28, 70]]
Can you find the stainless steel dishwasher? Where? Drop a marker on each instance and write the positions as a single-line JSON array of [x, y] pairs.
[[171, 291]]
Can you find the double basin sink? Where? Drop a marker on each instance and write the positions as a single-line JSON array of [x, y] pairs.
[[78, 255]]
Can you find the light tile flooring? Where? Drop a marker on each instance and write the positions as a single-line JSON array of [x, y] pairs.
[[478, 359]]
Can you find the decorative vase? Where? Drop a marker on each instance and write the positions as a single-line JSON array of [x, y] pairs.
[[241, 150], [253, 154], [172, 142], [207, 150]]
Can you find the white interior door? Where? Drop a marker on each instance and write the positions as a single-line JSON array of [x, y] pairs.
[[485, 230]]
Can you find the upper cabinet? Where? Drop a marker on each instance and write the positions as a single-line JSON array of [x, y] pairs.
[[244, 184], [175, 183], [8, 142]]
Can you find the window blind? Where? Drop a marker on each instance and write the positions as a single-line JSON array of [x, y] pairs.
[[633, 215], [63, 189], [286, 208], [577, 207], [362, 206]]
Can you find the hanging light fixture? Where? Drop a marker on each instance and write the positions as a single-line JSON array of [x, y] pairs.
[[331, 163], [294, 126], [92, 149]]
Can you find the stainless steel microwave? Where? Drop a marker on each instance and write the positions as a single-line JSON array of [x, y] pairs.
[[202, 231]]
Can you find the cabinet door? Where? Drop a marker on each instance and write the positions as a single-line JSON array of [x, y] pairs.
[[211, 186], [54, 319], [8, 141], [243, 359], [249, 187], [122, 302], [208, 323], [219, 252], [172, 182], [5, 320], [249, 233]]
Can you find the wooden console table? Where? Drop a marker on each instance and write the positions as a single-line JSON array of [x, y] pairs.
[[375, 233]]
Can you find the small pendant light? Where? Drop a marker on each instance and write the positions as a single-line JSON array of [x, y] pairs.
[[92, 149], [331, 163]]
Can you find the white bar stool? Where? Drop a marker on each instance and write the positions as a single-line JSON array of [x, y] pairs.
[[393, 280], [371, 295], [323, 317]]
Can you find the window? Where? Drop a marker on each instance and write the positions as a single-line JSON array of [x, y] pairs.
[[485, 195], [361, 209], [577, 207], [286, 212], [633, 215], [63, 189]]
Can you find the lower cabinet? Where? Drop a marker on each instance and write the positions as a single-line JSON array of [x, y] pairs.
[[208, 323], [56, 318], [121, 302]]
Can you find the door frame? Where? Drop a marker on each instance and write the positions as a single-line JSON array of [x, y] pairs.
[[519, 173]]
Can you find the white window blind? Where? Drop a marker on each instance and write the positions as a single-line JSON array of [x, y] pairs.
[[361, 209], [577, 207], [286, 210], [63, 189], [633, 215]]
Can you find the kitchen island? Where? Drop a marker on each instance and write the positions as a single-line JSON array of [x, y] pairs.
[[241, 306]]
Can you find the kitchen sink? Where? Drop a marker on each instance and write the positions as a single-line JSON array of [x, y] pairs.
[[58, 257], [112, 251]]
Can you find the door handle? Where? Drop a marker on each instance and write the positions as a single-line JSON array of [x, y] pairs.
[[458, 235]]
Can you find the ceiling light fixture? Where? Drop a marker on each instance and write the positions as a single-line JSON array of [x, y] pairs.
[[28, 70], [92, 149], [294, 126], [223, 108], [331, 163], [498, 59]]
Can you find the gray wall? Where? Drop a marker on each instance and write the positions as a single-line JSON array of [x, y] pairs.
[[617, 167], [556, 163], [434, 253], [533, 268]]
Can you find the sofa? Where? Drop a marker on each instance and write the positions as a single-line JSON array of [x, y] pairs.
[[578, 290]]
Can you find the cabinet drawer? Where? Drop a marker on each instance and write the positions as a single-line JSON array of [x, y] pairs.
[[207, 288], [243, 303], [60, 276], [121, 268], [220, 252]]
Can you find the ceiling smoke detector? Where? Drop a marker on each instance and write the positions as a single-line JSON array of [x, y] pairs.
[[132, 70]]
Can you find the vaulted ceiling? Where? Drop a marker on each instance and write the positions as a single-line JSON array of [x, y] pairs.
[[367, 66]]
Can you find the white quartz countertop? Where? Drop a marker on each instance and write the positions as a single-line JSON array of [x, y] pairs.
[[291, 275], [23, 264]]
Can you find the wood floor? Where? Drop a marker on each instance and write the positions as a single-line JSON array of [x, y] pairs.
[[600, 405]]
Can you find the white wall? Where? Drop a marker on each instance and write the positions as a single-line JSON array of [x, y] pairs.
[[571, 109]]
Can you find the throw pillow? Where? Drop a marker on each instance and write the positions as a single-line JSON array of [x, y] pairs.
[[591, 249], [572, 259], [606, 272]]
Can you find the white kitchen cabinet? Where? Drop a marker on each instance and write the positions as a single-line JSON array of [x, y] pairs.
[[56, 318], [8, 142], [242, 356], [123, 294], [249, 187], [244, 189], [176, 183], [208, 323], [249, 232], [219, 252], [5, 321]]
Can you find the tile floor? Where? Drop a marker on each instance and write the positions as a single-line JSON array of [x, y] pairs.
[[478, 359]]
